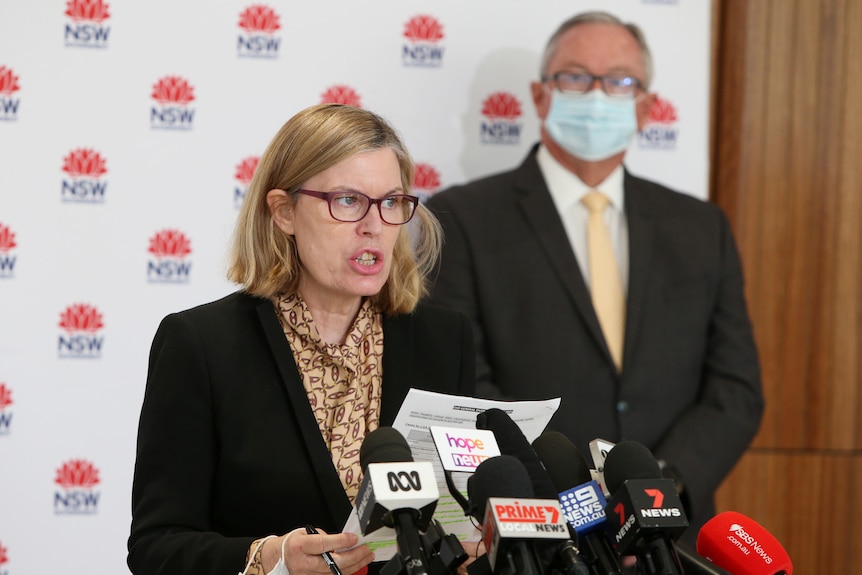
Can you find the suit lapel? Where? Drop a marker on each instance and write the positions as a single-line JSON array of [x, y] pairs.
[[539, 210], [318, 454], [641, 227]]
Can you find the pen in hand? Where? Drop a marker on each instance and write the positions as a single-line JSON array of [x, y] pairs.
[[327, 558]]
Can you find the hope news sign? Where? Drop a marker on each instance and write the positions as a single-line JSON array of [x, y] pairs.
[[463, 449]]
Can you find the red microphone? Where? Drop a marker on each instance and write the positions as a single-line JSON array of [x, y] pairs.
[[742, 546]]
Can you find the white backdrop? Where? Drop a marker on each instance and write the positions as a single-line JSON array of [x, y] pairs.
[[128, 132]]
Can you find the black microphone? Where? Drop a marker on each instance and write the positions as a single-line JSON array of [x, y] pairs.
[[396, 492], [581, 499], [512, 441], [644, 514]]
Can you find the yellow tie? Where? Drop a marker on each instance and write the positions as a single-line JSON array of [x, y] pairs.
[[606, 285]]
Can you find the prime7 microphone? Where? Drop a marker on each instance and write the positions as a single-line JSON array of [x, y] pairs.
[[396, 492], [644, 514], [581, 499], [742, 546]]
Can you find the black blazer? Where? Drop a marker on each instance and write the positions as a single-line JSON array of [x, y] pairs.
[[228, 447], [690, 388]]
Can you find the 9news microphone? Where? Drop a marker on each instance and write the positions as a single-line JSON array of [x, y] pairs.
[[742, 546], [396, 492], [644, 514], [581, 499]]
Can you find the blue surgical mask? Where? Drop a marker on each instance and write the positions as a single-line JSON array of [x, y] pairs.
[[591, 126]]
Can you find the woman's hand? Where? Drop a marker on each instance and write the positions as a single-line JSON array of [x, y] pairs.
[[303, 552]]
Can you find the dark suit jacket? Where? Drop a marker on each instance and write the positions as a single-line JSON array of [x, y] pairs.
[[228, 447], [690, 387]]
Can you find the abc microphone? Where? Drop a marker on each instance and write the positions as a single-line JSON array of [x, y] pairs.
[[581, 499], [742, 546], [396, 492], [645, 514]]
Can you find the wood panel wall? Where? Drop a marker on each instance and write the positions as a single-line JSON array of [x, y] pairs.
[[787, 170]]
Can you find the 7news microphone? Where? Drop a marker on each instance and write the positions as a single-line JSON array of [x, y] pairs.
[[581, 499], [742, 546], [645, 515], [397, 492]]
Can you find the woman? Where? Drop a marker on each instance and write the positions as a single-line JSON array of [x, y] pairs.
[[257, 404]]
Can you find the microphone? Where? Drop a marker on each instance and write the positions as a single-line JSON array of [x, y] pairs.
[[581, 499], [512, 441], [645, 514], [513, 521], [396, 492], [742, 546]]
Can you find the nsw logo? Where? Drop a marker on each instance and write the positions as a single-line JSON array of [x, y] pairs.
[[423, 34], [660, 132], [259, 24], [77, 479], [169, 249], [7, 258], [501, 124], [8, 102], [5, 412], [84, 170], [172, 111], [244, 173], [426, 181], [87, 28], [341, 94], [82, 324], [4, 559]]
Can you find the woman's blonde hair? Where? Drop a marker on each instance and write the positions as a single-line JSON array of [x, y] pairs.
[[264, 260]]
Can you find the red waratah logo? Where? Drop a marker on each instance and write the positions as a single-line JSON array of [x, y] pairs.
[[81, 317], [663, 112], [84, 162], [8, 81], [423, 28], [78, 473], [5, 396], [245, 169], [426, 177], [341, 95], [90, 10], [170, 244], [501, 106], [4, 557], [259, 18], [173, 90], [7, 239]]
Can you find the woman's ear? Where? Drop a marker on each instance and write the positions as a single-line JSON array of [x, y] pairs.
[[281, 210]]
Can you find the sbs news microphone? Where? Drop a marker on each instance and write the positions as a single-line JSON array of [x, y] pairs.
[[521, 534], [396, 492], [644, 514], [742, 546], [581, 499], [564, 556]]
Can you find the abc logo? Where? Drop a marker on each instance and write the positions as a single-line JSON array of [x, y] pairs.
[[404, 481]]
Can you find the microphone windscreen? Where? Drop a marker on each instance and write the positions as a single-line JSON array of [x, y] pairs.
[[384, 445], [629, 460], [500, 476], [742, 546], [563, 461], [512, 441]]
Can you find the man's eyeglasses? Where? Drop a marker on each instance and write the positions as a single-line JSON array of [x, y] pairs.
[[617, 85], [395, 209]]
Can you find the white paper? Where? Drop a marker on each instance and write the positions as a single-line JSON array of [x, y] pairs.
[[422, 409]]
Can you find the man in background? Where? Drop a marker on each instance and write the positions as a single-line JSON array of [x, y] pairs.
[[585, 282]]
